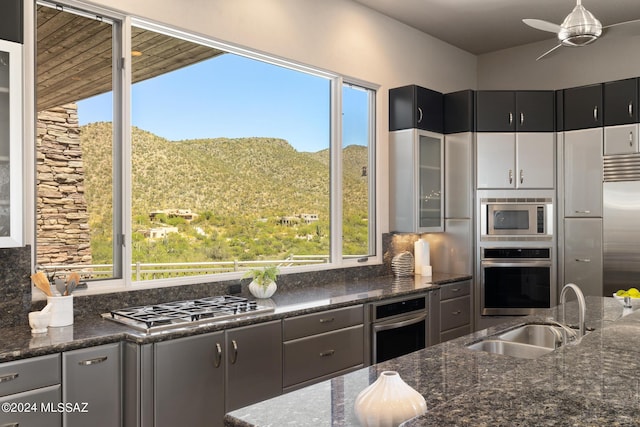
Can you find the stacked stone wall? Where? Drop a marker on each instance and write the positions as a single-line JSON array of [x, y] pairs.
[[62, 219]]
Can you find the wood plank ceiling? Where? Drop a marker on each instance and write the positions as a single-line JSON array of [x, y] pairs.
[[75, 56]]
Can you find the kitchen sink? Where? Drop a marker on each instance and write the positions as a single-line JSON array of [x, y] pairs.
[[511, 348], [548, 336], [528, 341]]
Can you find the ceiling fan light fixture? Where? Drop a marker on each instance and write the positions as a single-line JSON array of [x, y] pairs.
[[579, 28]]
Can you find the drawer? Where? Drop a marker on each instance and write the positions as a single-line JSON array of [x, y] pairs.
[[312, 357], [455, 333], [34, 408], [28, 374], [454, 313], [326, 321], [455, 290]]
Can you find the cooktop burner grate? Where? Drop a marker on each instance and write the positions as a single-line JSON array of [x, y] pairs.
[[150, 318]]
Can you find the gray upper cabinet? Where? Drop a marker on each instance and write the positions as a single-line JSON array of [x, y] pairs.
[[519, 111], [620, 102], [11, 21], [583, 173], [415, 107], [583, 254], [93, 376], [416, 181], [583, 107], [621, 139], [515, 160]]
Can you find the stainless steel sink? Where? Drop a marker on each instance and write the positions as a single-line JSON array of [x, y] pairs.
[[528, 341], [510, 348], [548, 336]]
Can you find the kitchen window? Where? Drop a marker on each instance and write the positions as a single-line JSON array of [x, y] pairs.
[[199, 159]]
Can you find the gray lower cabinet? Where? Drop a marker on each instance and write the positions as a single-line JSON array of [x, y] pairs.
[[198, 379], [583, 254], [31, 389], [92, 386], [455, 310], [320, 345]]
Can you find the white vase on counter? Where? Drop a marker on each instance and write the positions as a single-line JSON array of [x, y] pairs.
[[388, 401], [262, 291]]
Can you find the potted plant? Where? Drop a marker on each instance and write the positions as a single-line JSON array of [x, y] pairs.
[[263, 284]]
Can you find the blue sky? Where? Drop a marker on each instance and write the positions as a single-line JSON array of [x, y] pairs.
[[232, 96]]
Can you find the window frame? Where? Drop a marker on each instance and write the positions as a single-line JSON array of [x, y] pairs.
[[122, 141]]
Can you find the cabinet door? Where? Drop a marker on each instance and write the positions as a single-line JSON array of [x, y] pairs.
[[430, 183], [495, 111], [583, 107], [189, 381], [535, 160], [583, 254], [93, 376], [621, 139], [535, 111], [583, 173], [458, 112], [43, 405], [621, 102], [254, 364], [496, 160], [415, 107], [458, 171]]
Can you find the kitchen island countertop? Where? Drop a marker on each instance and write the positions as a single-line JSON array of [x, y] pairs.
[[593, 383], [16, 342]]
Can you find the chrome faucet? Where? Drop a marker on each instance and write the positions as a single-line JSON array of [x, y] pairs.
[[582, 308]]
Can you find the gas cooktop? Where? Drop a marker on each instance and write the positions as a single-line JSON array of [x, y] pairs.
[[179, 314]]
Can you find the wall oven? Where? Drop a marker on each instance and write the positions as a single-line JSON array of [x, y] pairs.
[[516, 217], [398, 327], [516, 280]]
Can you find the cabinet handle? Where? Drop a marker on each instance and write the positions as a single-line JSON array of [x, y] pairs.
[[92, 361], [595, 113], [510, 176], [327, 353], [11, 425], [521, 176], [454, 290], [521, 119], [510, 119], [630, 109], [455, 313], [218, 359], [234, 344], [630, 138], [583, 212], [420, 116], [583, 260], [9, 377], [328, 320]]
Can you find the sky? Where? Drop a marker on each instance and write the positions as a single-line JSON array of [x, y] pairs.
[[233, 96]]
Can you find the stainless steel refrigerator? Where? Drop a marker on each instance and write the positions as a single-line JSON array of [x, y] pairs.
[[621, 232]]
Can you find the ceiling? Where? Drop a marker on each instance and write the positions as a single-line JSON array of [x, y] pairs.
[[74, 56], [482, 26]]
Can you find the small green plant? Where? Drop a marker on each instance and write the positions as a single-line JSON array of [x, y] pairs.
[[263, 276]]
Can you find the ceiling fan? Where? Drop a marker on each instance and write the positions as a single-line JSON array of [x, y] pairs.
[[579, 28]]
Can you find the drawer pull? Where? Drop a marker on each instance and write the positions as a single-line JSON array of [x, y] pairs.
[[11, 425], [328, 320], [583, 260], [456, 312], [8, 377], [583, 212], [92, 361], [327, 353], [455, 289]]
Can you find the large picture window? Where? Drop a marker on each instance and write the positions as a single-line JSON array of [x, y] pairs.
[[226, 162]]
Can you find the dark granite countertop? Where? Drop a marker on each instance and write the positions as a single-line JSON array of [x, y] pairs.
[[17, 342], [593, 383]]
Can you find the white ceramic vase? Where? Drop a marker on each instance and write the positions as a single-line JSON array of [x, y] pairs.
[[388, 402], [260, 291]]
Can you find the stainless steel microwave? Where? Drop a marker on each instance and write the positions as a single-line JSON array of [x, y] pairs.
[[517, 217]]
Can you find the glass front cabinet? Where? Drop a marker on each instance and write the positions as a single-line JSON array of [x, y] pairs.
[[416, 181], [10, 144]]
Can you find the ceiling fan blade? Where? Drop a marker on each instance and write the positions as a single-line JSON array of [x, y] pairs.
[[548, 52], [539, 24], [627, 28]]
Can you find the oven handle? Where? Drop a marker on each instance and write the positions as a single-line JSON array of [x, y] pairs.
[[529, 263], [379, 327]]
